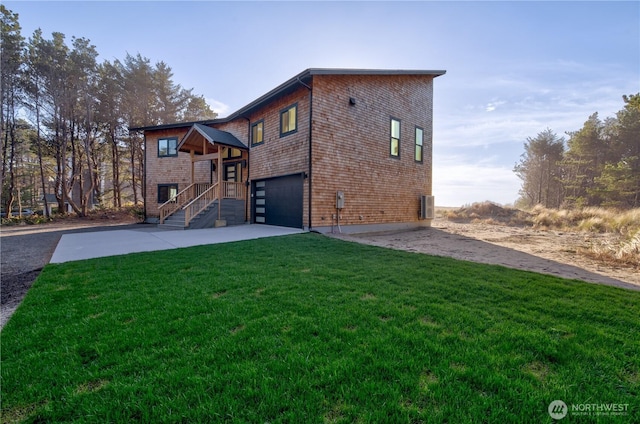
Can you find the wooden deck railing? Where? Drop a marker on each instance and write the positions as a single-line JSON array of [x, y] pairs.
[[179, 200], [196, 197], [233, 190], [197, 205]]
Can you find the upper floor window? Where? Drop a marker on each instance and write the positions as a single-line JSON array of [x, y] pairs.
[[168, 147], [394, 145], [289, 120], [419, 141], [231, 152], [257, 133]]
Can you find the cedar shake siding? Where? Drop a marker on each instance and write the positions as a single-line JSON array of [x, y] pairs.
[[342, 141], [283, 155], [351, 147], [167, 170], [177, 169]]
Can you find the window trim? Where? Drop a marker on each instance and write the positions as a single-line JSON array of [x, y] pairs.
[[421, 145], [168, 139], [254, 125], [282, 112], [392, 138], [168, 185]]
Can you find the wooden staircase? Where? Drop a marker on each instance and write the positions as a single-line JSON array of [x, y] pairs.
[[197, 206]]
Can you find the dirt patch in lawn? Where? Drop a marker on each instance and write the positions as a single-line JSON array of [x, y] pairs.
[[552, 252]]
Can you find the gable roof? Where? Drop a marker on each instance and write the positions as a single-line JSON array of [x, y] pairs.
[[211, 135], [303, 78]]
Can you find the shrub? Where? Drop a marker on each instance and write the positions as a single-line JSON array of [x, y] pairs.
[[624, 251], [488, 213], [595, 224], [25, 220]]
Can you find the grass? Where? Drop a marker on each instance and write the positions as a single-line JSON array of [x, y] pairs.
[[316, 330], [591, 219], [622, 247]]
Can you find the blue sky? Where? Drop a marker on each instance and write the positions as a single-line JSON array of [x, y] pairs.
[[513, 68]]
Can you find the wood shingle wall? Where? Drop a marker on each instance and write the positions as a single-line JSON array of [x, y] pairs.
[[351, 147]]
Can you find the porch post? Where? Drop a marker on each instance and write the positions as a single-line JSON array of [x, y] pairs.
[[193, 167], [220, 155]]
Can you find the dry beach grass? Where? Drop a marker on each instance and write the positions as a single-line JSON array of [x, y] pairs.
[[619, 230], [562, 243]]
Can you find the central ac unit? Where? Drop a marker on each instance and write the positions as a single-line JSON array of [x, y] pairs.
[[427, 207]]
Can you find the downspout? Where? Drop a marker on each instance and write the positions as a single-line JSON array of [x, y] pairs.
[[247, 196], [310, 145], [144, 178]]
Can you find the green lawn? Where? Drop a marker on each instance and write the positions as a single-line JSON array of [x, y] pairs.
[[308, 329]]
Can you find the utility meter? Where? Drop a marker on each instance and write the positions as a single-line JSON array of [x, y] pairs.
[[340, 200]]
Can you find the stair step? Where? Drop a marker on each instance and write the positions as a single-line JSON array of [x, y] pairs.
[[232, 212], [171, 226]]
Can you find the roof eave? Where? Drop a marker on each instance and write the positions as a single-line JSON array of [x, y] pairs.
[[302, 77], [178, 125], [279, 90], [347, 71]]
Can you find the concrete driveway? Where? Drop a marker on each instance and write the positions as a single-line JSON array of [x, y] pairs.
[[75, 247]]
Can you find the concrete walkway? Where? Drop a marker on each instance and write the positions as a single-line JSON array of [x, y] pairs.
[[75, 247]]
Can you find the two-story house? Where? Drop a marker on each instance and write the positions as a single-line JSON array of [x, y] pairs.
[[327, 149]]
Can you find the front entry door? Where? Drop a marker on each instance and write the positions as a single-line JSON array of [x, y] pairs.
[[231, 174]]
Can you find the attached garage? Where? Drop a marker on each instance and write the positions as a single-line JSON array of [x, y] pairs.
[[278, 200]]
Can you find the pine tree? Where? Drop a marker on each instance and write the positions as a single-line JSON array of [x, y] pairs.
[[619, 182], [540, 171], [584, 161], [11, 69]]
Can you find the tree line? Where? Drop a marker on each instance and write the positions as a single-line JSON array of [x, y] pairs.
[[64, 119], [599, 165]]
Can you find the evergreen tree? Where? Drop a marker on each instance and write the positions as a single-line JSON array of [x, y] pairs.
[[584, 161], [197, 110], [79, 113], [619, 182], [540, 171], [11, 69]]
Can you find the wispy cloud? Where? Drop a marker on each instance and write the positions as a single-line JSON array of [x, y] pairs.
[[491, 106], [480, 127], [457, 176], [219, 107], [503, 109]]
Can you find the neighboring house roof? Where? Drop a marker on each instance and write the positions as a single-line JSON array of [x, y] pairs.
[[287, 87], [50, 198], [212, 135]]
